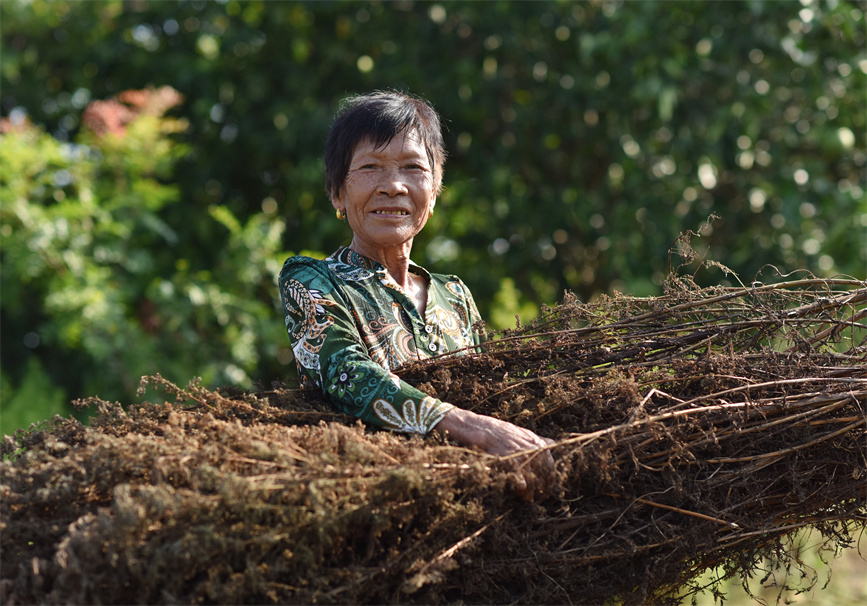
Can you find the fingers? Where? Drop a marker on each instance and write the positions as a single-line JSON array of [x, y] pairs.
[[526, 453], [534, 475], [534, 470], [519, 485]]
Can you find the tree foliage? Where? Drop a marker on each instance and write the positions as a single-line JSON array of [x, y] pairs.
[[89, 260], [583, 138]]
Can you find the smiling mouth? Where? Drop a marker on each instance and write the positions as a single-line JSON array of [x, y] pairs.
[[390, 212]]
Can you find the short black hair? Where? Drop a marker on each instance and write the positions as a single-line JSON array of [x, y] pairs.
[[379, 117]]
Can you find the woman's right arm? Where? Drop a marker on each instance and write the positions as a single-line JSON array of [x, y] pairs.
[[331, 354]]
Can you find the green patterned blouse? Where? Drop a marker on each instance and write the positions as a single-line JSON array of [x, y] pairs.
[[350, 325]]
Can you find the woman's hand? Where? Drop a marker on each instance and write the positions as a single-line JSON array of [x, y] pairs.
[[534, 470]]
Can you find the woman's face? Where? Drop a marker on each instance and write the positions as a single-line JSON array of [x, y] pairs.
[[388, 193]]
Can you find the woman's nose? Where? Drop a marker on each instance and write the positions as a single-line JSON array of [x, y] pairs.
[[393, 183]]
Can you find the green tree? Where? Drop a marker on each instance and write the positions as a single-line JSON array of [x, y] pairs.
[[94, 283]]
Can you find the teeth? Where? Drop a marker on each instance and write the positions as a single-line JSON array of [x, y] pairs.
[[390, 212]]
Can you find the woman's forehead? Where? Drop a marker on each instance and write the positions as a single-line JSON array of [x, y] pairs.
[[403, 144]]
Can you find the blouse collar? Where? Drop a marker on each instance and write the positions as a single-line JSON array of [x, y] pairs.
[[346, 255]]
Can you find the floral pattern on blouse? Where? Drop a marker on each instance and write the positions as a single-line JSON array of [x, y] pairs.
[[350, 325]]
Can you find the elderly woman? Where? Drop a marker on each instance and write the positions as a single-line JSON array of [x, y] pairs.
[[367, 309]]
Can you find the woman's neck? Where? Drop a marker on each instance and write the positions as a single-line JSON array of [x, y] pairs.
[[395, 259]]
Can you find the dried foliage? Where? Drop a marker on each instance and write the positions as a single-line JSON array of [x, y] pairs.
[[696, 429]]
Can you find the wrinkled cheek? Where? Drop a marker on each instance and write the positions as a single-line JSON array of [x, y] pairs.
[[348, 186]]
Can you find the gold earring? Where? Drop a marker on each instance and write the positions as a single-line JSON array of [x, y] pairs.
[[430, 213], [341, 214]]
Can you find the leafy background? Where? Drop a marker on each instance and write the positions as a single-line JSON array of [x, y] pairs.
[[584, 137]]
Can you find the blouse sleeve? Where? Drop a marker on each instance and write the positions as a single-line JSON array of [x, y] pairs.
[[330, 353]]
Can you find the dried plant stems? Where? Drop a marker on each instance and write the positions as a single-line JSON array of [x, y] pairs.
[[692, 430]]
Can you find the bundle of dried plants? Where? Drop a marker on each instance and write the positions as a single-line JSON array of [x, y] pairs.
[[693, 430]]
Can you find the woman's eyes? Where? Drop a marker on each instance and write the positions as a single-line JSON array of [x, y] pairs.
[[413, 166]]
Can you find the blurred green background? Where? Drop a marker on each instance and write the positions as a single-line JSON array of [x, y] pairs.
[[583, 138]]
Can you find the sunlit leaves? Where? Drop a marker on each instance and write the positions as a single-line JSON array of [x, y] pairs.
[[90, 269]]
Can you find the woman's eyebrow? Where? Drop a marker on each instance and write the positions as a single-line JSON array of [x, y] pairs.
[[367, 158]]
